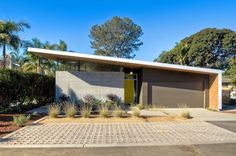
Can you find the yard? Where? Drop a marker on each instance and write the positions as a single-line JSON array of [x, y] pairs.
[[7, 126]]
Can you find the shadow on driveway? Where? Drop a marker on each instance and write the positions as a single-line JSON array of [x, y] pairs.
[[229, 125]]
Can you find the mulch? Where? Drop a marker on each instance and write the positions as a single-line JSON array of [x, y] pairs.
[[233, 112], [7, 126]]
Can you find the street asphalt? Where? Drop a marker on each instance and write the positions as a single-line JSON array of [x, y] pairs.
[[230, 125], [190, 150]]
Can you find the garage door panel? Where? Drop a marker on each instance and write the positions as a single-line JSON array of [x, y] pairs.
[[174, 94]]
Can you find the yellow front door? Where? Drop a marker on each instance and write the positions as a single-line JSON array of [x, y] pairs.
[[129, 91]]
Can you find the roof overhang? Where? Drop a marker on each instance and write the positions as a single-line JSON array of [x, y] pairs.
[[130, 63]]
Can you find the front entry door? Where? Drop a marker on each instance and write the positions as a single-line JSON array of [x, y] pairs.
[[129, 91]]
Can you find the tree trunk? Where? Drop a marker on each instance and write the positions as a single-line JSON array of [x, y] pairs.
[[38, 67], [4, 55]]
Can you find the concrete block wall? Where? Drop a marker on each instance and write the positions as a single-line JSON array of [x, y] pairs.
[[79, 84]]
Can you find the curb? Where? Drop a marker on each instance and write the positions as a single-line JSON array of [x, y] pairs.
[[111, 145], [39, 120]]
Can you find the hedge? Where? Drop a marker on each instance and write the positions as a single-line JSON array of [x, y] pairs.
[[20, 91]]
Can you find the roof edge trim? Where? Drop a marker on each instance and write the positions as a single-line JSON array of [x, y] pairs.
[[123, 60]]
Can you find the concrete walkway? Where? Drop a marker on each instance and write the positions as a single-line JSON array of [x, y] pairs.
[[198, 113], [39, 110], [118, 134]]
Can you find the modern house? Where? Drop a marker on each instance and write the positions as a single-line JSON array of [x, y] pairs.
[[164, 85]]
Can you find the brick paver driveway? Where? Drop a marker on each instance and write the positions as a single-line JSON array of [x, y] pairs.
[[118, 134]]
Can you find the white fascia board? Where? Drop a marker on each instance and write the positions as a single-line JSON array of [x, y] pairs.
[[122, 60]]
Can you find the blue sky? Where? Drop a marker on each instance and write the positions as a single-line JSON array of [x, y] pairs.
[[163, 22]]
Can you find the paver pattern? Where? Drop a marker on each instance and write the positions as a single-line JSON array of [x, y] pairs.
[[120, 134]]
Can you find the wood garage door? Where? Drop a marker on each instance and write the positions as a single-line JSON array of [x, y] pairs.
[[174, 94]]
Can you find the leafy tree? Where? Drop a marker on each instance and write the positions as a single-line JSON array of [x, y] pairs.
[[181, 51], [166, 57], [211, 47], [118, 37], [178, 55], [231, 73], [9, 37]]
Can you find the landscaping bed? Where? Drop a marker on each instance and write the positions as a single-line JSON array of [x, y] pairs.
[[92, 119], [7, 126], [98, 119], [232, 112]]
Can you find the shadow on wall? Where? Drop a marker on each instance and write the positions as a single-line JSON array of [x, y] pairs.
[[71, 93], [59, 93], [76, 84], [105, 79]]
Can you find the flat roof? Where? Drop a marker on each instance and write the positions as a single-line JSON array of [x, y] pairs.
[[129, 63]]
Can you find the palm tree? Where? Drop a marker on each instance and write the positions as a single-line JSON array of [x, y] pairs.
[[62, 46], [17, 59], [34, 63], [9, 37]]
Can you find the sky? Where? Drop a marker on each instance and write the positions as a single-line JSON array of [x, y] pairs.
[[164, 22]]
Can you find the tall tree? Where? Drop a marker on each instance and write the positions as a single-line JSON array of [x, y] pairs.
[[9, 37], [62, 46], [17, 59], [211, 47], [166, 57], [118, 37], [231, 72], [34, 63], [181, 51], [177, 55]]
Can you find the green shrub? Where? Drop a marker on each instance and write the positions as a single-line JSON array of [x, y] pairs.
[[21, 120], [140, 106], [91, 101], [104, 112], [113, 100], [118, 112], [185, 114], [64, 98], [70, 109], [86, 111], [21, 91], [54, 110], [136, 111]]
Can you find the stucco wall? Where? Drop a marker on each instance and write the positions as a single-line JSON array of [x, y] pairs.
[[99, 84]]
